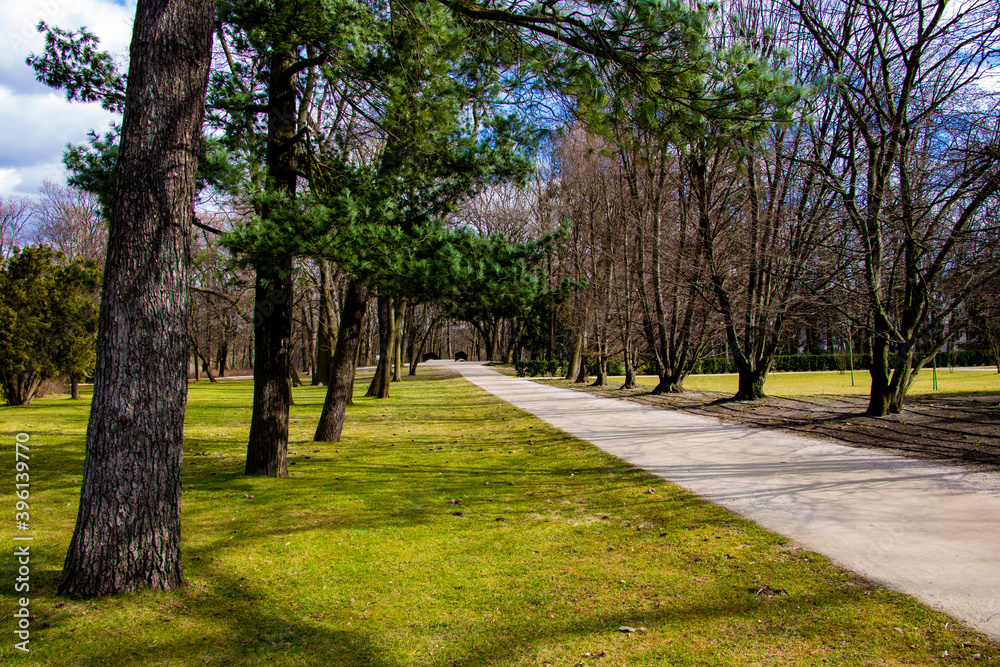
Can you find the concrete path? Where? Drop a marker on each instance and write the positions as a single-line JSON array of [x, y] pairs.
[[931, 530]]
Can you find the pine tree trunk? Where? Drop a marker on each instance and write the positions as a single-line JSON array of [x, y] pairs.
[[379, 387], [411, 347], [127, 534], [74, 386], [342, 367], [397, 345], [326, 338], [267, 448], [418, 354], [489, 340]]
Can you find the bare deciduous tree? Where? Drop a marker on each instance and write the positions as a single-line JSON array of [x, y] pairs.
[[915, 161], [70, 220], [15, 214]]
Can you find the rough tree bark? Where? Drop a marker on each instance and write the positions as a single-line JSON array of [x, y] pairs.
[[127, 534], [345, 356], [267, 448]]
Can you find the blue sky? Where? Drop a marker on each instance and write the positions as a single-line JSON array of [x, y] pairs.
[[36, 122]]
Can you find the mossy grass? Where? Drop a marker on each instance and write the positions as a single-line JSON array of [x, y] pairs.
[[447, 528]]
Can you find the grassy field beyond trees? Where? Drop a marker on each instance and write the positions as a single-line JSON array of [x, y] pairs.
[[809, 384], [447, 528]]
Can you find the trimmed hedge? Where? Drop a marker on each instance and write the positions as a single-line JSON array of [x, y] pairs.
[[966, 358], [538, 367]]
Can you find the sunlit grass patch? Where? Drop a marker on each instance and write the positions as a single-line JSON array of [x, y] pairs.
[[448, 528]]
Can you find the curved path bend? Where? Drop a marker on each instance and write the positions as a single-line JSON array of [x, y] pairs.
[[928, 529]]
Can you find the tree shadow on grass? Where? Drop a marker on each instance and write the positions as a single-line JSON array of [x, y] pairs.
[[232, 622]]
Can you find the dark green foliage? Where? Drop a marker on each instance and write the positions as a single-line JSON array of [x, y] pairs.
[[48, 320], [382, 217], [92, 167], [71, 61]]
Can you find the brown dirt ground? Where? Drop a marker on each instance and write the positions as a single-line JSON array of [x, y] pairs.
[[961, 429]]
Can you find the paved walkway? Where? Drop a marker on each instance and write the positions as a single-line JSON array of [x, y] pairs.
[[928, 529]]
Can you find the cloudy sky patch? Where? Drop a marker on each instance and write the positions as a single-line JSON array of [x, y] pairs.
[[37, 122]]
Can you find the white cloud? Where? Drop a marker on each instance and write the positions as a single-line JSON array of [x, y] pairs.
[[37, 127], [35, 175], [9, 180], [111, 21], [36, 122]]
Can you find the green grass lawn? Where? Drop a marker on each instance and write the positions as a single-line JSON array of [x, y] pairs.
[[812, 384], [447, 528]]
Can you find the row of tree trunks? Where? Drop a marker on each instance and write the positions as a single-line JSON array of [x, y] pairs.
[[402, 323], [199, 361]]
